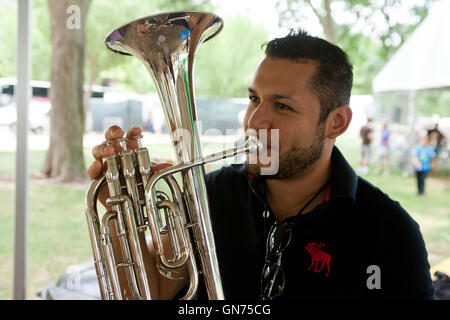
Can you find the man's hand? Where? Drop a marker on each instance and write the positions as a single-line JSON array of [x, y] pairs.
[[160, 286], [97, 169], [103, 150]]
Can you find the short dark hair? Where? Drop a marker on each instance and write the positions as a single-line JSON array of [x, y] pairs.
[[332, 82]]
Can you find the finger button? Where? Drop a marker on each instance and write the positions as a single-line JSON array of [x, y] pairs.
[[123, 143], [138, 138]]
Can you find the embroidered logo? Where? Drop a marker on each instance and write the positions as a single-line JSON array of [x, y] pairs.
[[318, 256]]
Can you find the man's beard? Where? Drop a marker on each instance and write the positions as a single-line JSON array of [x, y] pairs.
[[295, 161]]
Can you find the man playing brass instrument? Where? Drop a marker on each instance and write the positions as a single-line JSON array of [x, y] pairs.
[[313, 229]]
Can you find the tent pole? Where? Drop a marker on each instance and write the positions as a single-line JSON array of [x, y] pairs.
[[412, 115], [411, 119], [22, 96]]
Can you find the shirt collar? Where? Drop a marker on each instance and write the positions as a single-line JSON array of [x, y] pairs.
[[343, 177], [344, 180]]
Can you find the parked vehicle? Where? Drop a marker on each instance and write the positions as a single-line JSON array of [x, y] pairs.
[[38, 115]]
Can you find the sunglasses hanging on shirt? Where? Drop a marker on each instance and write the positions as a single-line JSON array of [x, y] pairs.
[[273, 278]]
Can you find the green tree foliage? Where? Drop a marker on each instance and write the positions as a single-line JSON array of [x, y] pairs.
[[40, 36], [383, 20], [8, 37], [104, 16], [225, 64], [370, 32], [41, 41], [364, 55], [102, 19], [124, 72]]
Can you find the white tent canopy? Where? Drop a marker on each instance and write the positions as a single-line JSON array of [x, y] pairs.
[[423, 61]]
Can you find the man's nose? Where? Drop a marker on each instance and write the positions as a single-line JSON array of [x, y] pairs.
[[260, 117]]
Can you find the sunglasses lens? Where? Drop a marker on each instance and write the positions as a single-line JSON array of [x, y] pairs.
[[279, 237], [273, 280]]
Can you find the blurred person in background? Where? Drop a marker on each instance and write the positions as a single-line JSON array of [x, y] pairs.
[[422, 155], [383, 159], [366, 134], [437, 141], [148, 124]]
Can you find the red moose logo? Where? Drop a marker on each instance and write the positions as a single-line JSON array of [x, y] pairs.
[[317, 256]]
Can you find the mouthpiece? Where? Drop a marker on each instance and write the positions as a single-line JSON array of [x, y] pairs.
[[253, 144]]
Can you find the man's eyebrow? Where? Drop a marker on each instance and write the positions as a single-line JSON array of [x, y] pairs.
[[282, 96], [273, 96], [250, 89]]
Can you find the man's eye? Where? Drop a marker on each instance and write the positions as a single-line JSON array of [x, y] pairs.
[[253, 99], [282, 106]]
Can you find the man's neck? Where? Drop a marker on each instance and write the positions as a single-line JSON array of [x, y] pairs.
[[287, 196]]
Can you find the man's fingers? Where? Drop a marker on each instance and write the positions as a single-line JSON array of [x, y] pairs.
[[115, 132], [105, 150], [95, 169], [132, 143], [102, 150], [112, 134]]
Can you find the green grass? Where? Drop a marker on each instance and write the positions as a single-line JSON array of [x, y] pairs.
[[58, 235], [8, 161]]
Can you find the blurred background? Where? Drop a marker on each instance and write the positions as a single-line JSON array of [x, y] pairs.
[[399, 50]]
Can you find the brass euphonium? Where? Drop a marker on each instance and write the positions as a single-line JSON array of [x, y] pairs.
[[166, 43]]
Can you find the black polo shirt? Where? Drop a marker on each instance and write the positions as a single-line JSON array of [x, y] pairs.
[[357, 244]]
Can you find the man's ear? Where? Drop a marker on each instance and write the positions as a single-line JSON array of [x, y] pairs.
[[338, 121]]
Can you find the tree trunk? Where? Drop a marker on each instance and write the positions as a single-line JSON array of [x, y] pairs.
[[328, 23], [326, 20], [64, 159]]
